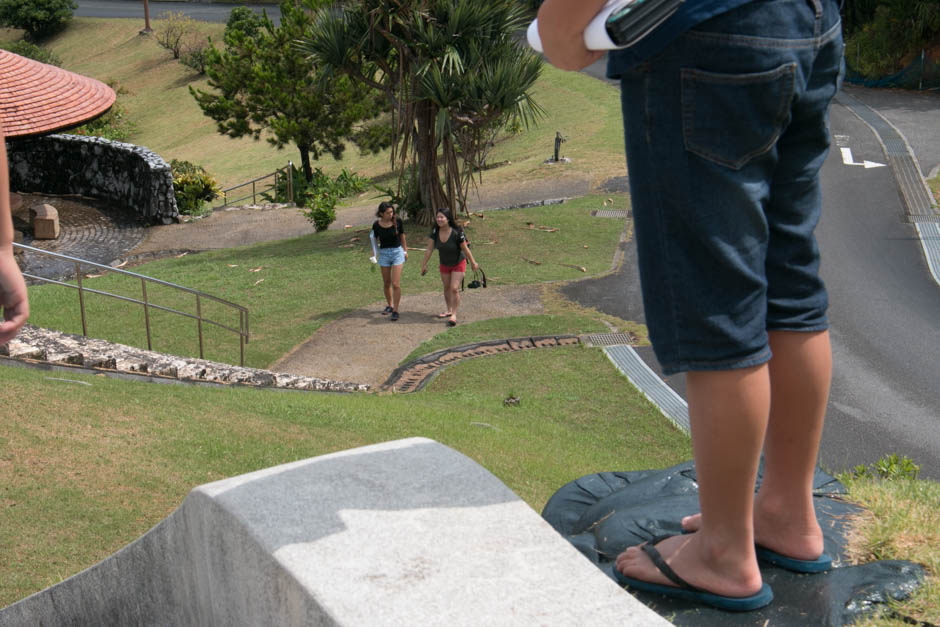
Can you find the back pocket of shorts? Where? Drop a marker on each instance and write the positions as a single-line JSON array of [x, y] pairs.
[[731, 118]]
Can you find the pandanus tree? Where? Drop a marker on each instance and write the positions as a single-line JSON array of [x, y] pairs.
[[454, 75]]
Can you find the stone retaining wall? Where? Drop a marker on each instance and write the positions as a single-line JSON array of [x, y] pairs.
[[125, 174], [54, 347]]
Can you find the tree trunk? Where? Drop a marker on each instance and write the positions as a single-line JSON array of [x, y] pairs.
[[305, 162], [430, 188]]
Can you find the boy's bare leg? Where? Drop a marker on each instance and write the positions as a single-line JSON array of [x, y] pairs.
[[800, 374], [728, 411]]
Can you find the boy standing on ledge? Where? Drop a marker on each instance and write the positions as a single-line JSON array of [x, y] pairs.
[[725, 111]]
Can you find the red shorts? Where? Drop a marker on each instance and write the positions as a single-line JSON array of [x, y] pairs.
[[460, 267]]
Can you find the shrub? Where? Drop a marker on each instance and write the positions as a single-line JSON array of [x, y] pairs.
[[114, 125], [348, 183], [194, 55], [894, 31], [172, 31], [407, 198], [345, 184], [39, 18], [193, 187], [320, 208], [32, 51], [890, 466]]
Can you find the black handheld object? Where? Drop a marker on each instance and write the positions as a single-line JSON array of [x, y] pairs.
[[629, 24]]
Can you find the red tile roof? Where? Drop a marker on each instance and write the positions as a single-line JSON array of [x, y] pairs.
[[36, 98]]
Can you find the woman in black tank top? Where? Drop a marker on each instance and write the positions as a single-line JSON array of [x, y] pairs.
[[388, 234], [452, 247]]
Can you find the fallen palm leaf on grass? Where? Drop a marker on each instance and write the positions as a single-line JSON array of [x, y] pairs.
[[258, 281], [532, 261], [258, 269], [571, 265], [547, 229]]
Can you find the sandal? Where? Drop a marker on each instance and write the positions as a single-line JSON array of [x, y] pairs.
[[446, 314], [452, 322], [687, 591], [387, 310]]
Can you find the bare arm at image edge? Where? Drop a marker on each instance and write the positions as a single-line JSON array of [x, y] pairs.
[[12, 287], [561, 29]]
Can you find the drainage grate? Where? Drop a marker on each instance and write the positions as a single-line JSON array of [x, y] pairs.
[[611, 339], [605, 213], [655, 389], [893, 142], [915, 195]]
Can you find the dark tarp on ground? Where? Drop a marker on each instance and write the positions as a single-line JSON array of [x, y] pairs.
[[604, 513]]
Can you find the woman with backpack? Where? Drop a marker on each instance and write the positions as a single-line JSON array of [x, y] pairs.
[[453, 251]]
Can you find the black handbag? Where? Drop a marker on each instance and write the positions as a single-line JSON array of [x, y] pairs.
[[476, 282]]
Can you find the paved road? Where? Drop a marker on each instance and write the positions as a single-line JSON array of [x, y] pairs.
[[205, 12], [885, 306]]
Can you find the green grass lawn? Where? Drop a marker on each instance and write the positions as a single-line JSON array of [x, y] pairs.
[[293, 287], [88, 468]]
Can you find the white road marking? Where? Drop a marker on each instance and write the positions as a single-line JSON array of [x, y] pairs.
[[847, 160]]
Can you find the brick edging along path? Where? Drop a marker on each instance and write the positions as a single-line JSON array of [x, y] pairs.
[[414, 375], [34, 344]]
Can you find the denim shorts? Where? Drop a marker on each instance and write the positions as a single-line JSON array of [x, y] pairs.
[[726, 130], [391, 256]]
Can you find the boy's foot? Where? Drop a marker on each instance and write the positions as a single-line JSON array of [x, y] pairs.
[[650, 570], [387, 310], [394, 316], [446, 314], [804, 555], [452, 322]]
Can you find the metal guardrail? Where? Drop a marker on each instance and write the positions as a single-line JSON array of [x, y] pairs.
[[242, 331], [255, 192]]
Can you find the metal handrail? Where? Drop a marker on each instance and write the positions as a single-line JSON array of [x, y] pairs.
[[242, 331], [254, 193]]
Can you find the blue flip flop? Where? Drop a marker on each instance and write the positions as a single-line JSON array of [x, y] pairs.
[[687, 591], [819, 565]]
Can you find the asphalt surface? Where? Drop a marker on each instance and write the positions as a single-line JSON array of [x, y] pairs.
[[206, 12], [884, 304]]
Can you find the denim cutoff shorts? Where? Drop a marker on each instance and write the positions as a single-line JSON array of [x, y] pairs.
[[726, 130], [391, 256]]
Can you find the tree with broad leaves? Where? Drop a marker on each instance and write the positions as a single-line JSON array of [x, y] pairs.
[[261, 83], [454, 75], [39, 18]]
